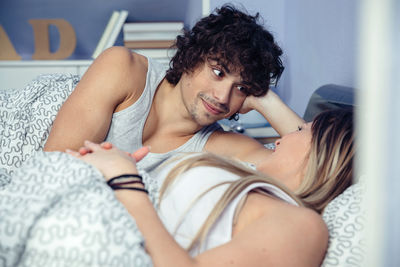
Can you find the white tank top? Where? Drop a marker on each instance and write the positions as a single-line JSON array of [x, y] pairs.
[[126, 127], [183, 219]]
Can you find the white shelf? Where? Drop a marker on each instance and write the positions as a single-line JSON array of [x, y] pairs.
[[42, 63], [17, 74]]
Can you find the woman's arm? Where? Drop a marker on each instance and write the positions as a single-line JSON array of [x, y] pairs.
[[115, 78], [283, 119], [112, 162], [286, 236]]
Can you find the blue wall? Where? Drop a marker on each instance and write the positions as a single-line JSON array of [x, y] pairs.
[[319, 37], [88, 18], [319, 40]]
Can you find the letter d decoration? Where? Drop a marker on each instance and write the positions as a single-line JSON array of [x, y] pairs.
[[42, 44]]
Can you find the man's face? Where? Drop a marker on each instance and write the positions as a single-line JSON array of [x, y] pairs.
[[211, 93]]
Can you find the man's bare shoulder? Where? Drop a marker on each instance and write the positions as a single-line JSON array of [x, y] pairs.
[[119, 72], [120, 54], [236, 145], [123, 62], [114, 81]]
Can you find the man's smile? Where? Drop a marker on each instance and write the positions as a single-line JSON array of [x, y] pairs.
[[211, 109], [212, 106]]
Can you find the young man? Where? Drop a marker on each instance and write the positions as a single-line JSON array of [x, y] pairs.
[[222, 66]]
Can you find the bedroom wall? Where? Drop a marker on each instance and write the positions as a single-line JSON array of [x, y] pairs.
[[88, 18], [319, 39], [318, 36]]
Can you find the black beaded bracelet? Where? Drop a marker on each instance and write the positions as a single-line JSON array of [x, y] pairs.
[[130, 188], [123, 177], [128, 182]]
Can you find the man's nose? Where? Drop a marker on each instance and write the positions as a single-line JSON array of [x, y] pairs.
[[223, 93]]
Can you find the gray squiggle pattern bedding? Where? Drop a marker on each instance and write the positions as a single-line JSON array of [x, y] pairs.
[[58, 211], [26, 116], [54, 209]]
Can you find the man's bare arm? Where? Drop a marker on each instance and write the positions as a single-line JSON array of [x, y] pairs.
[[237, 146], [281, 117], [115, 78]]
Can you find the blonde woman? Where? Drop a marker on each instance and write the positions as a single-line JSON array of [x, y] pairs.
[[216, 212]]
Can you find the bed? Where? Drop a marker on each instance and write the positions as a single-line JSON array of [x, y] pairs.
[[91, 217]]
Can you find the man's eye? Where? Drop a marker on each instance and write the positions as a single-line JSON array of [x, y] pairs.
[[218, 72], [299, 128], [242, 89]]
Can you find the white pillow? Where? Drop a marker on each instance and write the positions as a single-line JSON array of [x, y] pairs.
[[345, 219]]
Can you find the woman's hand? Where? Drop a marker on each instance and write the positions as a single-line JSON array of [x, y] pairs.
[[109, 160], [138, 155]]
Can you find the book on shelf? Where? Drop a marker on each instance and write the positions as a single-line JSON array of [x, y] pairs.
[[111, 32], [106, 34], [152, 39], [123, 14], [153, 26], [149, 44], [151, 35]]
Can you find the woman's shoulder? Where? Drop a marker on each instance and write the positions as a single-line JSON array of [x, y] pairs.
[[283, 214], [305, 232], [285, 229]]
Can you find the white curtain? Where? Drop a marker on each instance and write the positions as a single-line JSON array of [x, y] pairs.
[[379, 127]]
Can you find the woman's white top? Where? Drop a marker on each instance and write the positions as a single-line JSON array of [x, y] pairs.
[[183, 214]]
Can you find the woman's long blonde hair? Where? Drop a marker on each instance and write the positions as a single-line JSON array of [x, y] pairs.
[[330, 164]]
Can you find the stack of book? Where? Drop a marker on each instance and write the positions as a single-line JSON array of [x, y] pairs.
[[111, 31], [152, 39]]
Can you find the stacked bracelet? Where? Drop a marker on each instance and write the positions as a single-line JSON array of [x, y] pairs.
[[122, 177], [122, 182]]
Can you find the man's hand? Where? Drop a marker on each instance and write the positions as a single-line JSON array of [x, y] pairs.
[[257, 102], [248, 104], [275, 111]]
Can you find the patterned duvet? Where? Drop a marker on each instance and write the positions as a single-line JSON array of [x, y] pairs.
[[54, 209]]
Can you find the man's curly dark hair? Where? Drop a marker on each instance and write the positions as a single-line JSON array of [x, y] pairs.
[[233, 39]]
